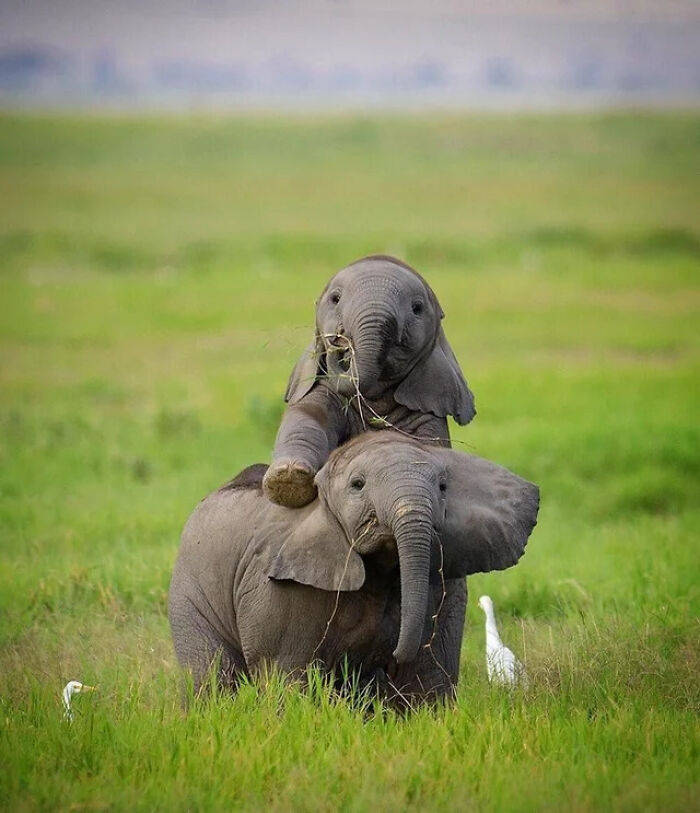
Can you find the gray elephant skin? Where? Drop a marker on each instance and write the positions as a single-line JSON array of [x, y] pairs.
[[379, 358], [370, 575]]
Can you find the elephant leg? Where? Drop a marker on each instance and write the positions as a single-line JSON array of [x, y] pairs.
[[290, 481], [282, 626], [434, 673], [309, 431], [199, 647]]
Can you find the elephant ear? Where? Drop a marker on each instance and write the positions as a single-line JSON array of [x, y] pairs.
[[317, 553], [437, 385], [489, 515], [305, 372]]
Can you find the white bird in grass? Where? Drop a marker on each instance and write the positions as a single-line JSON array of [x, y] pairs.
[[71, 688], [501, 664]]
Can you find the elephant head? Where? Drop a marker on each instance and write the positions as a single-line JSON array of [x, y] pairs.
[[378, 330], [387, 491]]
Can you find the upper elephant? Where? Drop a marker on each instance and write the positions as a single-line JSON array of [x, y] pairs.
[[371, 571], [379, 358]]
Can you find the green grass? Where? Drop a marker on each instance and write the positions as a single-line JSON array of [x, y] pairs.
[[158, 279]]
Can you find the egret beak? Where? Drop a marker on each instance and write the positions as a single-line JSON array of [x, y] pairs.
[[85, 688]]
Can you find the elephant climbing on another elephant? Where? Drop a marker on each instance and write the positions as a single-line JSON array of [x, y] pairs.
[[379, 359], [371, 573]]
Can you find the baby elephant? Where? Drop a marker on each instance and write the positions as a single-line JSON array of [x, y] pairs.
[[379, 358], [370, 574]]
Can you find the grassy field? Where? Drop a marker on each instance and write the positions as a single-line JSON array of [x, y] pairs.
[[158, 280]]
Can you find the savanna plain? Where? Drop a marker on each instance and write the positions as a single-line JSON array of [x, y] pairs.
[[158, 282]]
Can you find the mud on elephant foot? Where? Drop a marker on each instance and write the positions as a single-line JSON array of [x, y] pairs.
[[290, 483]]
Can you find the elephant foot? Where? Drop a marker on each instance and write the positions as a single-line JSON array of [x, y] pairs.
[[290, 483]]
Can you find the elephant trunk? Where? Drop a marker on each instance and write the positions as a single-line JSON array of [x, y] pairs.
[[373, 334], [412, 528]]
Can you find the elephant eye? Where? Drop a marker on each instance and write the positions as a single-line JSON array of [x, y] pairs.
[[335, 297], [417, 308], [443, 486], [357, 483]]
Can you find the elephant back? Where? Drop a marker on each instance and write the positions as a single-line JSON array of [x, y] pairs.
[[250, 478]]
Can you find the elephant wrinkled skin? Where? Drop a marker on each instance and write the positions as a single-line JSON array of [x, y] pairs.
[[396, 527], [379, 358]]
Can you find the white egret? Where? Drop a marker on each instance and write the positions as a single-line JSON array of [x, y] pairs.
[[71, 688], [501, 664]]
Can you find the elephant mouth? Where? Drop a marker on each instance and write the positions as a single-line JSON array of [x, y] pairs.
[[339, 364], [343, 360], [366, 529], [371, 534]]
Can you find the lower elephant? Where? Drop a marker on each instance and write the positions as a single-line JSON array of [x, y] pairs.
[[371, 575]]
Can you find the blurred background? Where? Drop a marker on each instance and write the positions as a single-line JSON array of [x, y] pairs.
[[178, 181], [226, 54]]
